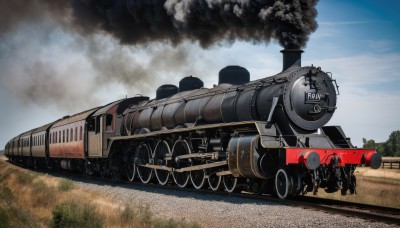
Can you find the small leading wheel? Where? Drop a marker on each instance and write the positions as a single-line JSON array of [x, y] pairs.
[[214, 181], [181, 147], [160, 152], [143, 156], [230, 184], [283, 183], [198, 178], [131, 167]]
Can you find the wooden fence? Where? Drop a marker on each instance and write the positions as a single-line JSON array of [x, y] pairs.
[[390, 163]]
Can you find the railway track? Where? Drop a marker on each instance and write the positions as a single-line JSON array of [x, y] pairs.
[[369, 212], [388, 215]]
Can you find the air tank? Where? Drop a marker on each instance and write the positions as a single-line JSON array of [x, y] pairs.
[[190, 83], [234, 75], [165, 91]]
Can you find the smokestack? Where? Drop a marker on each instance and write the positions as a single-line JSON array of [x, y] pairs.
[[291, 57]]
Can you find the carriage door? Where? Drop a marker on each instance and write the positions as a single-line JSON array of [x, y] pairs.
[[95, 136], [109, 129]]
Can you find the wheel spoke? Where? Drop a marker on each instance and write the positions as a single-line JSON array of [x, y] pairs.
[[143, 155], [198, 178], [214, 181], [181, 147], [160, 152], [131, 167], [230, 183]]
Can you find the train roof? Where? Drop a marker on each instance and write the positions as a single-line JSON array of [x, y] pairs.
[[122, 105], [105, 108], [76, 117], [28, 133], [16, 138], [44, 127]]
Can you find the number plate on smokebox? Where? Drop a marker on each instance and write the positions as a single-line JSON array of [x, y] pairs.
[[315, 97]]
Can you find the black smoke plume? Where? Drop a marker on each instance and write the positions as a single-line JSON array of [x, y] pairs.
[[207, 21], [66, 53]]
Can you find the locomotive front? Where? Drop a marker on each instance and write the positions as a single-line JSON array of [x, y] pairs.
[[296, 146], [308, 98]]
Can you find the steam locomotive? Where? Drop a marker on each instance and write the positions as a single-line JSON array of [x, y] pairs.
[[264, 136]]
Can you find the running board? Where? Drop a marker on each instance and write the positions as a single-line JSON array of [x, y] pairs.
[[212, 155], [187, 169], [224, 173]]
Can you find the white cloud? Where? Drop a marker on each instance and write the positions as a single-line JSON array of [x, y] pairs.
[[381, 45]]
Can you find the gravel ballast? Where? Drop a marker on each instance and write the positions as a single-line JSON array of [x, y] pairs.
[[210, 210]]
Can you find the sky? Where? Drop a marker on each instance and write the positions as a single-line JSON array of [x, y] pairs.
[[48, 72]]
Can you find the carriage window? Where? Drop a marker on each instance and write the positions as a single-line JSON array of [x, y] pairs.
[[63, 136], [67, 136], [59, 136], [97, 124], [109, 122], [72, 135], [92, 124], [80, 134], [76, 133]]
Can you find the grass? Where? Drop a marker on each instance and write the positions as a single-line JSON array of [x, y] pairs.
[[65, 185], [25, 177], [76, 214], [378, 187], [29, 199]]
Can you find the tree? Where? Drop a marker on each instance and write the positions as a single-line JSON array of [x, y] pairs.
[[389, 148], [369, 144], [393, 143]]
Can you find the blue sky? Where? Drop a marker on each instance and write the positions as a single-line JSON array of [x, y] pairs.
[[358, 41]]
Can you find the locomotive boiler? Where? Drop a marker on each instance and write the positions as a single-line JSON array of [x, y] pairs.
[[266, 135]]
